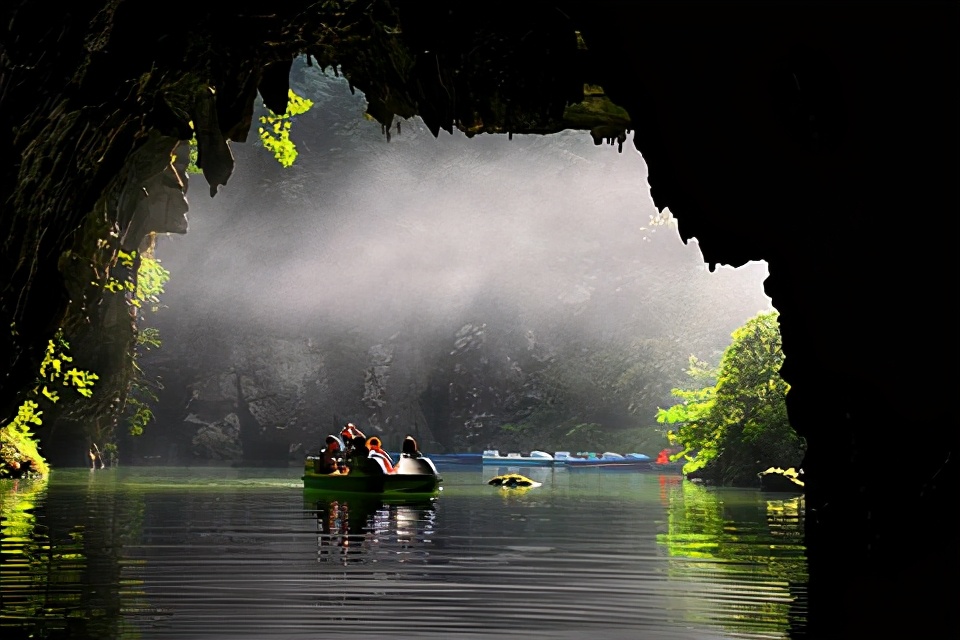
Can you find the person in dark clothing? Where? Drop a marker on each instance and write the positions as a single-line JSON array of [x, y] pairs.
[[409, 448], [331, 455], [354, 441]]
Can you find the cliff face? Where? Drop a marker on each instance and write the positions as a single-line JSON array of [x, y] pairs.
[[238, 394], [805, 135]]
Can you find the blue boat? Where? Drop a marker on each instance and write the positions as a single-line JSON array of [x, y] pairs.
[[531, 459], [607, 459]]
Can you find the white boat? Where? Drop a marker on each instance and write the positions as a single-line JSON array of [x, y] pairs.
[[531, 459]]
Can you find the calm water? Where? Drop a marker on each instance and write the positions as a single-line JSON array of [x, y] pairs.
[[222, 553]]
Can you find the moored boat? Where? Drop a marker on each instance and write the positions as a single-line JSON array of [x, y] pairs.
[[637, 461], [533, 458]]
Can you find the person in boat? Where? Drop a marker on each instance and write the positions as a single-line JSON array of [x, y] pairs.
[[354, 441], [350, 431], [331, 456], [376, 452], [409, 448]]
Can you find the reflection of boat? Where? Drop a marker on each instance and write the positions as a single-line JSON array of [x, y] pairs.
[[345, 526], [533, 458], [668, 467], [606, 459], [415, 477]]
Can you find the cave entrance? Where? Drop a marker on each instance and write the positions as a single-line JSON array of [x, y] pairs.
[[446, 285]]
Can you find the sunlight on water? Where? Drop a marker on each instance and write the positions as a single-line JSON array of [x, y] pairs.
[[218, 553]]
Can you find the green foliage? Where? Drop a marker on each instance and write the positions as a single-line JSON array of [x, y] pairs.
[[143, 294], [16, 437], [275, 129], [698, 534], [738, 426], [44, 569], [149, 338], [274, 133], [53, 369], [151, 276], [137, 407], [194, 156]]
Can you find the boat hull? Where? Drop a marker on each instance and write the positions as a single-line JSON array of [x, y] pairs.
[[668, 467], [415, 478], [606, 460], [636, 465]]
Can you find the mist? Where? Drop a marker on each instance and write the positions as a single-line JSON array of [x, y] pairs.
[[375, 235]]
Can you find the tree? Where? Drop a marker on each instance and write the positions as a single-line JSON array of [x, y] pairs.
[[738, 426]]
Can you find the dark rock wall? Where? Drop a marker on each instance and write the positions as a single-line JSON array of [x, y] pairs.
[[819, 137], [802, 133]]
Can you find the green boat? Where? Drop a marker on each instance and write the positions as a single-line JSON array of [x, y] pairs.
[[414, 477]]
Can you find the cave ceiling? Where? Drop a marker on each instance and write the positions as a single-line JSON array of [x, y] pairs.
[[819, 137]]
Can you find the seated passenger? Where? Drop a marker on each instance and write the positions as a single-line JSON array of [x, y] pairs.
[[375, 448], [409, 448], [331, 455]]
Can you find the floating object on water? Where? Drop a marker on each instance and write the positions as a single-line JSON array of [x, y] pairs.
[[513, 480]]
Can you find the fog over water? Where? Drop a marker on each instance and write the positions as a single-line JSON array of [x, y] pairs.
[[370, 234]]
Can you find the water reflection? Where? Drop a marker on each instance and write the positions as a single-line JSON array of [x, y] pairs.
[[355, 529], [543, 475], [747, 548], [60, 567], [203, 554]]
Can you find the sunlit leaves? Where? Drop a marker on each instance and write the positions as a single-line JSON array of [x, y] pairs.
[[82, 380], [27, 414], [274, 131], [739, 424], [53, 358], [113, 286], [148, 337], [126, 259], [16, 436], [151, 277]]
